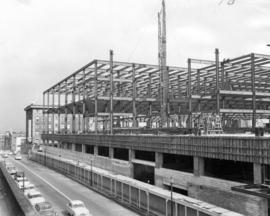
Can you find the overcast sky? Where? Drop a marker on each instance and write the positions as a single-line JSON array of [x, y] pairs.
[[43, 41]]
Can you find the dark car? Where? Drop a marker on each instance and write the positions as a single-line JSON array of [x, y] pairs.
[[45, 209]]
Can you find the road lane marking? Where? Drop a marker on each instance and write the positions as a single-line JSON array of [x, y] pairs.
[[57, 190]]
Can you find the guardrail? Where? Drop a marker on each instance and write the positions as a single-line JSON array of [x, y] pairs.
[[144, 198]]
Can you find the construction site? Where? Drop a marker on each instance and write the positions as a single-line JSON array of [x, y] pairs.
[[202, 128]]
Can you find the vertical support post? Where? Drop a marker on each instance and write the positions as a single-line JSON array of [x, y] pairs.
[[66, 101], [150, 103], [171, 196], [179, 98], [48, 107], [189, 95], [204, 85], [222, 64], [73, 104], [23, 181], [252, 58], [59, 108], [43, 113], [53, 91], [134, 94], [160, 70], [131, 156], [119, 120], [198, 82], [257, 173], [217, 81], [159, 159], [96, 99], [91, 173], [111, 92], [198, 166], [84, 103]]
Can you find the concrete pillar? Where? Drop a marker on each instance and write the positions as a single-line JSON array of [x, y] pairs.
[[198, 166], [131, 155], [83, 148], [73, 146], [110, 152], [257, 173], [159, 159], [95, 150]]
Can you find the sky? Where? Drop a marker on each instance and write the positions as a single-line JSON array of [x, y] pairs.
[[42, 42]]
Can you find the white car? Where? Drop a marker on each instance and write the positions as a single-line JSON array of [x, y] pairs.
[[35, 197], [77, 208], [20, 182], [28, 188], [25, 185], [18, 157]]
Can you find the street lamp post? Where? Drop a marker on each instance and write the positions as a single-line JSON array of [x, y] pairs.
[[23, 182], [171, 183], [45, 162], [91, 173]]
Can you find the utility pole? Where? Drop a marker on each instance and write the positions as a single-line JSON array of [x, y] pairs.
[[23, 182], [162, 56]]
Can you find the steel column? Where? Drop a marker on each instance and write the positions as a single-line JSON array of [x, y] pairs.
[[48, 107], [134, 94], [252, 58], [111, 92], [59, 107], [43, 113], [73, 105], [189, 95], [217, 81], [66, 110], [84, 103], [96, 99], [53, 91]]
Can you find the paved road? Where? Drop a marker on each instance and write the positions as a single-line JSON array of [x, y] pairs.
[[57, 189]]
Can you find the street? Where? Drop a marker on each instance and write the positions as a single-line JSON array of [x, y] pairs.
[[58, 189]]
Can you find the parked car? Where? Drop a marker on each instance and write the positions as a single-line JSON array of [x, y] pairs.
[[18, 157], [45, 209], [5, 155], [35, 197], [27, 188], [25, 185], [19, 176], [77, 208], [11, 170]]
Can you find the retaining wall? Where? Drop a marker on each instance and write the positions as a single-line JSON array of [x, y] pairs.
[[144, 198]]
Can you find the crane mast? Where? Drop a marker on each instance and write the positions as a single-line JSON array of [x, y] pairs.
[[164, 76]]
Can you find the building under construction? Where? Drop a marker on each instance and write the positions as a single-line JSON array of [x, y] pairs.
[[193, 124]]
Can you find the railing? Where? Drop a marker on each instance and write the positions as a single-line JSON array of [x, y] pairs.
[[144, 198]]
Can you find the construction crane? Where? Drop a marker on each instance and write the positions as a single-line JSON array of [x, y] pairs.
[[164, 76]]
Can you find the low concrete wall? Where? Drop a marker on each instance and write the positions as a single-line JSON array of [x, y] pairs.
[[145, 198], [213, 190], [114, 165], [247, 205], [23, 202]]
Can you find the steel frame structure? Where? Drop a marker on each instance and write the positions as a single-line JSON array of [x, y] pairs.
[[120, 94]]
